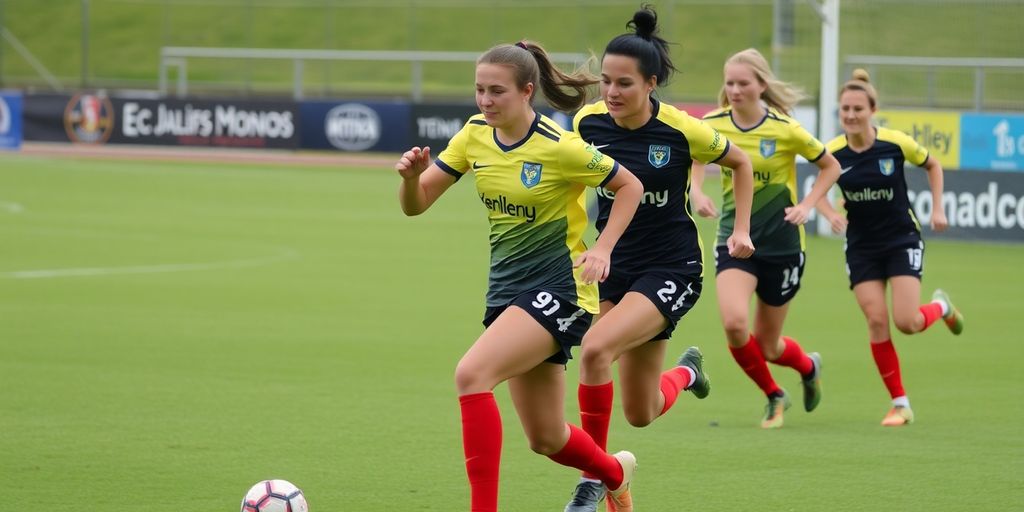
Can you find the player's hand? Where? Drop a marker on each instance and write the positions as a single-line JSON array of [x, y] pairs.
[[838, 222], [740, 245], [703, 204], [939, 222], [797, 215], [595, 262], [413, 162]]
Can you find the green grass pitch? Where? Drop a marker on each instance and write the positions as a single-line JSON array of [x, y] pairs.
[[172, 333]]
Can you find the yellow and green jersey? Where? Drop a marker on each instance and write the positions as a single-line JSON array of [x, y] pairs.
[[772, 146], [533, 192], [875, 190]]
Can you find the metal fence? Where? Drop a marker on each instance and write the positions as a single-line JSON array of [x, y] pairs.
[[178, 57], [55, 44]]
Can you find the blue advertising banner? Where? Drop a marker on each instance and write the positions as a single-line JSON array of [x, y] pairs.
[[355, 125], [992, 141], [92, 118], [203, 122], [10, 120]]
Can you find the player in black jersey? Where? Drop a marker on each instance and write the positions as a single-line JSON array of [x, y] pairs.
[[656, 271], [883, 237], [531, 176]]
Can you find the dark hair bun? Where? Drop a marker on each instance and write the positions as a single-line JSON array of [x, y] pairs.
[[645, 22]]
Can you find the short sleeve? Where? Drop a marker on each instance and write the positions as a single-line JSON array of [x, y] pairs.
[[706, 143], [453, 159], [912, 151], [576, 120], [805, 144], [583, 163]]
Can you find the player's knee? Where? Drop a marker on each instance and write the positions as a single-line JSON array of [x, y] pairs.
[[469, 379], [878, 323], [771, 351], [545, 443], [736, 331], [595, 356], [640, 419], [906, 325]]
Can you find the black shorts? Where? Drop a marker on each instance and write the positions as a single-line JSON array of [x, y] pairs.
[[903, 260], [778, 277], [674, 293], [566, 321]]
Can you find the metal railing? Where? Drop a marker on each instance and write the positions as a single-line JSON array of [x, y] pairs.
[[930, 64], [177, 57]]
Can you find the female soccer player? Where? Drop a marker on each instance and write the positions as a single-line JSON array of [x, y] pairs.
[[755, 118], [531, 177], [657, 266], [883, 238]]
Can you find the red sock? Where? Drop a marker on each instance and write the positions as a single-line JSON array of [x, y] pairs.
[[888, 367], [582, 453], [752, 362], [932, 312], [596, 413], [481, 442], [794, 357], [673, 382]]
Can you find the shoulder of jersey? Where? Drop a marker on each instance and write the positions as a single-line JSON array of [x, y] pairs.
[[718, 112], [548, 127], [839, 142], [890, 135], [477, 120], [775, 115], [597, 107], [675, 118]]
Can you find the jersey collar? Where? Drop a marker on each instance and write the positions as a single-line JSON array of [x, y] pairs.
[[506, 149], [744, 130]]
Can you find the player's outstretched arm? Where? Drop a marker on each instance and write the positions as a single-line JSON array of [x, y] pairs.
[[422, 181]]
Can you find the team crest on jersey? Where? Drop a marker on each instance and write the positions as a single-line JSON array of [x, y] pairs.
[[531, 174], [886, 166], [659, 156], [767, 147]]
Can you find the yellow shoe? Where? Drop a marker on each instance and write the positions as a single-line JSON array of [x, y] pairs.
[[953, 319], [773, 411], [620, 500], [898, 417]]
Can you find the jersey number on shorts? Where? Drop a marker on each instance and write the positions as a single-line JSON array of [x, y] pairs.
[[544, 299], [915, 258], [665, 294], [790, 278]]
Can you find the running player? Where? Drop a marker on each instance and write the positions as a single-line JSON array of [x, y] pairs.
[[657, 266], [531, 177], [883, 238], [754, 116]]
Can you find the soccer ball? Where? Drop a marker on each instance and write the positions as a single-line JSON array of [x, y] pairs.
[[274, 496]]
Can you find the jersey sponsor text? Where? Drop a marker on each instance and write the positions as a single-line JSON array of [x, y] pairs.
[[502, 204], [657, 198], [869, 194]]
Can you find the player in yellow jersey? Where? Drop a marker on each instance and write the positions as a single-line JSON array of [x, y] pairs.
[[530, 176], [754, 116], [657, 267], [883, 238]]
